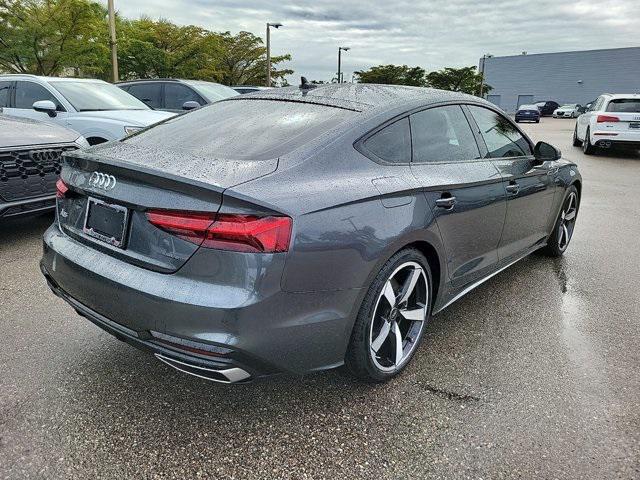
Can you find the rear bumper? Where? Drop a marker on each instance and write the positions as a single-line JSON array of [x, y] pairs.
[[259, 330], [527, 118], [30, 206]]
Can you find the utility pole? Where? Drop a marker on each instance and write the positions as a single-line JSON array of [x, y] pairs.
[[274, 25], [112, 41], [484, 59], [340, 49]]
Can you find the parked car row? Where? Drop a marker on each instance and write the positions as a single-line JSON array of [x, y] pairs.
[[43, 117]]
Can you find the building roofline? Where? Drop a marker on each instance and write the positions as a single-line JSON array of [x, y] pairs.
[[559, 53]]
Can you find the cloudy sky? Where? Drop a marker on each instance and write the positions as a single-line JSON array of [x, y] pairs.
[[428, 33]]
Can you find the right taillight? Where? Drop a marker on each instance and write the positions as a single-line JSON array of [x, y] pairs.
[[607, 118], [61, 188], [239, 233]]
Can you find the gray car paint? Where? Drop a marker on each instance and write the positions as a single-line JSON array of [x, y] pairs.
[[293, 311]]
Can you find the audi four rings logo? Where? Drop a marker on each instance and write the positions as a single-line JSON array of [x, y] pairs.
[[102, 180]]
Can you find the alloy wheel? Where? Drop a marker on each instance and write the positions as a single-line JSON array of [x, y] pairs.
[[567, 221], [399, 317]]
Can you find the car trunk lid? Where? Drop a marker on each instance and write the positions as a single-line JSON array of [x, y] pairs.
[[111, 189]]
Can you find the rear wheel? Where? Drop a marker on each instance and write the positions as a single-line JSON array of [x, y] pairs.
[[565, 224], [392, 318], [576, 141], [587, 148]]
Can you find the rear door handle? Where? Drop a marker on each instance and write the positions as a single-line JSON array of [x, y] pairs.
[[512, 188], [446, 202]]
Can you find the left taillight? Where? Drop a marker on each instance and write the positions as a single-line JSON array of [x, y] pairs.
[[61, 188], [606, 119], [238, 233]]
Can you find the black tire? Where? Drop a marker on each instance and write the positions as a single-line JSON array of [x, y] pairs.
[[576, 142], [554, 247], [359, 357], [517, 121], [537, 121], [587, 148]]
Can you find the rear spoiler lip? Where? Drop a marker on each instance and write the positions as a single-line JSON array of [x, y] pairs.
[[88, 158]]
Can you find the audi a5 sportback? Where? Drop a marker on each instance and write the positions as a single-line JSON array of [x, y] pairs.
[[30, 162], [299, 229], [611, 120], [97, 110]]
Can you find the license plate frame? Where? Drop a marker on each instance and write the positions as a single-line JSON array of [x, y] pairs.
[[115, 219]]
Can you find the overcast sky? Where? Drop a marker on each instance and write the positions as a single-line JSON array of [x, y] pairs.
[[429, 33]]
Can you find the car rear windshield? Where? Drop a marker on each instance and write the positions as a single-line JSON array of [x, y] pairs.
[[624, 105], [244, 129], [528, 107]]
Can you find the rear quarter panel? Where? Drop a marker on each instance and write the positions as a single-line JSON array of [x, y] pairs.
[[350, 215]]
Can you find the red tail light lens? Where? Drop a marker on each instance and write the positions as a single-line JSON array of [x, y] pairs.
[[607, 118], [61, 188], [238, 233]]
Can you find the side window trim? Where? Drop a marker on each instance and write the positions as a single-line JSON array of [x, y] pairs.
[[482, 146]]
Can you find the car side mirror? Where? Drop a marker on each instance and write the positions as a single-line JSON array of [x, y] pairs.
[[45, 106], [190, 105], [544, 152]]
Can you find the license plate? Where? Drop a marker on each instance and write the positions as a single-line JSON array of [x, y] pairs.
[[106, 222], [634, 125]]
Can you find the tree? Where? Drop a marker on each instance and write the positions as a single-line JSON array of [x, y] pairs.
[[157, 49], [243, 61], [392, 75], [47, 37], [465, 80]]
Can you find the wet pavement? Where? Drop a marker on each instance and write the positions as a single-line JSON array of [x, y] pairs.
[[535, 374]]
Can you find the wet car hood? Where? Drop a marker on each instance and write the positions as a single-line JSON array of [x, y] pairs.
[[16, 132], [220, 173]]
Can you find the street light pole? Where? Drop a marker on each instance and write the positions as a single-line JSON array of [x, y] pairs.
[[112, 41], [274, 25], [340, 49]]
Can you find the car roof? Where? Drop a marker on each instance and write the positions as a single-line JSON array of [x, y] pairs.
[[360, 97], [621, 95], [24, 76]]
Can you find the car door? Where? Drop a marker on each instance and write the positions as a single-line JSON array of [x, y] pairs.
[[463, 190], [25, 94], [529, 185], [176, 94]]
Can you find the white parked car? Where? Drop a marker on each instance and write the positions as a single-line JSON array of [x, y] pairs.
[[613, 119], [98, 110], [570, 110]]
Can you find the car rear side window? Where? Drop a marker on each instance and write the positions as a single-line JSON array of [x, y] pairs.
[[442, 134], [239, 129], [624, 105], [392, 143], [501, 137], [148, 93], [4, 94], [27, 93]]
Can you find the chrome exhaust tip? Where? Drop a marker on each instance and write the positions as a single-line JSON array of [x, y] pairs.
[[227, 375]]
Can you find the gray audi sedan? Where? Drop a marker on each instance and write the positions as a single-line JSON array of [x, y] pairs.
[[300, 229]]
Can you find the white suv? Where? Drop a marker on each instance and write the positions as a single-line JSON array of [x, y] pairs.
[[611, 120], [96, 109]]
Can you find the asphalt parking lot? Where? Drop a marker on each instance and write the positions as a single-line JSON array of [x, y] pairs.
[[536, 374]]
